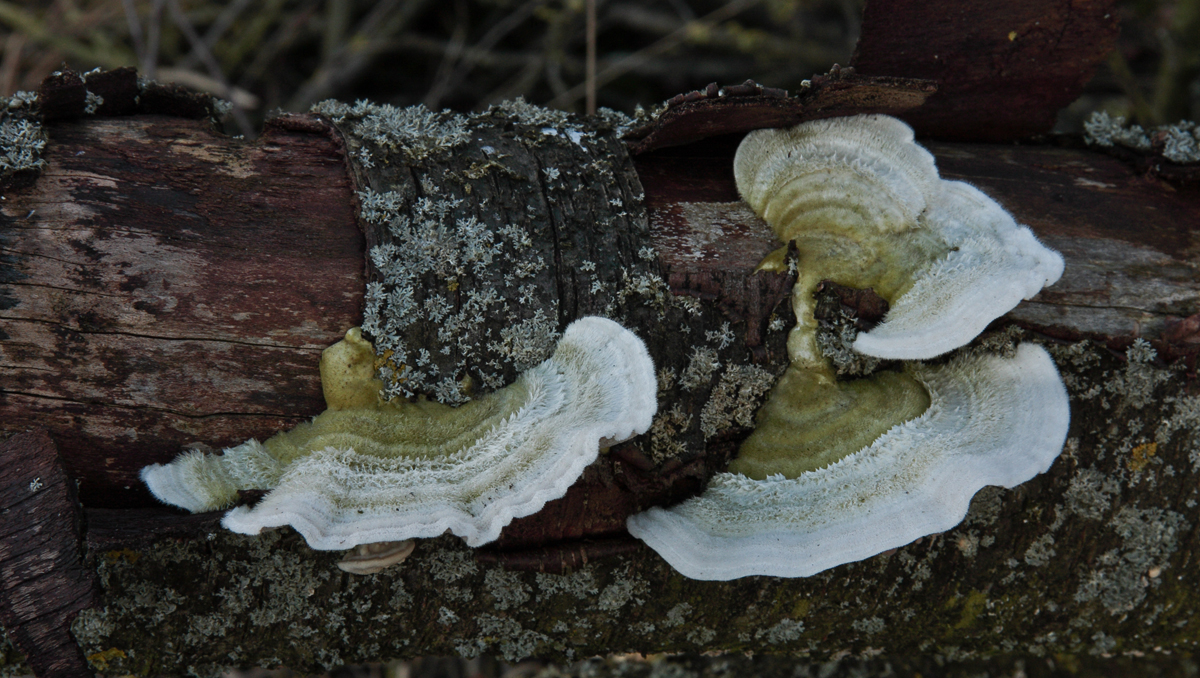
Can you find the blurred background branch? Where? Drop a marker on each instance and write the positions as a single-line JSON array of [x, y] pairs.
[[467, 54], [1153, 77], [462, 54]]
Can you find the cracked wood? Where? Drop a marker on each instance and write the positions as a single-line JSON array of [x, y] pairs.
[[167, 285]]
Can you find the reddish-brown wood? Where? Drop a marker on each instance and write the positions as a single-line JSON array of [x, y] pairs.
[[716, 110], [172, 285], [44, 581], [1003, 69], [1128, 238]]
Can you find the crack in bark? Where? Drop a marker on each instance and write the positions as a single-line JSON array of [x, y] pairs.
[[67, 289], [20, 253], [1059, 304], [217, 340], [150, 408]]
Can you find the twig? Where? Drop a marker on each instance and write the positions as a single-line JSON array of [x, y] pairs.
[[792, 49], [476, 54], [337, 22], [35, 29], [153, 34], [630, 62], [1128, 81], [199, 81], [450, 57], [250, 38], [283, 37], [216, 30], [12, 60], [206, 57], [383, 22], [590, 73], [519, 84], [489, 58], [135, 29]]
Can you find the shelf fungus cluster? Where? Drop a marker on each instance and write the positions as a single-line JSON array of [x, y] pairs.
[[838, 471], [370, 474]]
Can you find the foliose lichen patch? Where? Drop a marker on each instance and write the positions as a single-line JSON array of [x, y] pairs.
[[21, 135], [488, 233], [1180, 142]]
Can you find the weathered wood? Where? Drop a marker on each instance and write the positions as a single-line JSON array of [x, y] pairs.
[[44, 581], [168, 285], [1003, 70], [716, 110]]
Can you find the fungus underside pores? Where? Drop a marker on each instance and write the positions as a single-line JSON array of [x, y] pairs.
[[367, 471], [838, 471]]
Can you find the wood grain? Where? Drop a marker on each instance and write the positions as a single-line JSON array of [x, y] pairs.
[[44, 581], [168, 284]]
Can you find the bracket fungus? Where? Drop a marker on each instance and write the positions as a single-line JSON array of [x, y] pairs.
[[367, 471], [837, 471]]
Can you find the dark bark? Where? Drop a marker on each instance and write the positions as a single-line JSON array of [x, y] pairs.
[[1003, 70], [44, 581], [717, 110]]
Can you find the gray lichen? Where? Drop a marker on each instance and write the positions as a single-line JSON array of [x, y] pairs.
[[1041, 551], [1135, 386], [869, 626], [431, 238], [92, 103], [1186, 418], [701, 366], [1090, 493], [418, 131], [789, 630], [667, 430], [1149, 537], [1180, 142], [507, 588], [835, 336], [22, 142], [735, 399]]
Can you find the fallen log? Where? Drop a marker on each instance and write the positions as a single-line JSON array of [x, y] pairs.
[[164, 286]]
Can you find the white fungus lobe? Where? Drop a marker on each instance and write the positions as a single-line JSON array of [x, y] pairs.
[[420, 477], [992, 421], [867, 208], [846, 469]]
